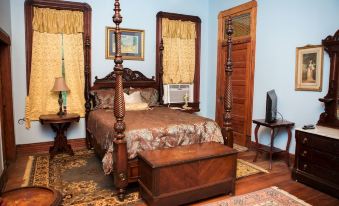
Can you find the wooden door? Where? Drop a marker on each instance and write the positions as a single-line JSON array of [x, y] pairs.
[[243, 56]]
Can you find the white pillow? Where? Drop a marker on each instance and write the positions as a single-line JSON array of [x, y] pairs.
[[133, 98]]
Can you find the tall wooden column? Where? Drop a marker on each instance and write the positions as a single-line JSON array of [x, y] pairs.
[[119, 144], [161, 72], [227, 130]]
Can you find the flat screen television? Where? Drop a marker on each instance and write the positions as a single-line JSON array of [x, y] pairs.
[[271, 106]]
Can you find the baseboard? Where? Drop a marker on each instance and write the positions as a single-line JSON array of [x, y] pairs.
[[43, 147], [3, 179], [252, 146]]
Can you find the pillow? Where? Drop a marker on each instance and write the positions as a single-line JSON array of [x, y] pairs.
[[136, 106], [103, 98], [149, 95], [133, 98]]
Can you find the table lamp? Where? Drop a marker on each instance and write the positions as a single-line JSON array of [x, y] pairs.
[[60, 86]]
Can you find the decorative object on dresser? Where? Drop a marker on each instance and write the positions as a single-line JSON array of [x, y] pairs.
[[192, 172], [271, 149], [132, 43], [178, 37], [60, 125], [36, 195], [309, 68], [317, 159], [330, 117], [60, 86]]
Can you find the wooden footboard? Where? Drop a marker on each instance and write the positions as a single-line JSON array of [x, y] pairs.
[[132, 166]]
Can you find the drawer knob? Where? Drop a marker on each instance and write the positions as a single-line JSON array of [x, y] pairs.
[[122, 176], [304, 153], [305, 140], [305, 166]]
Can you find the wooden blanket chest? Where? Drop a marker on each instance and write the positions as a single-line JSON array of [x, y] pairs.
[[184, 174]]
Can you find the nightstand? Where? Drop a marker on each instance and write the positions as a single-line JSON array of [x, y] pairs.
[[271, 150], [60, 124]]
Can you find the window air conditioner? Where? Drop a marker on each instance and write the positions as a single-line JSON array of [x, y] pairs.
[[174, 93]]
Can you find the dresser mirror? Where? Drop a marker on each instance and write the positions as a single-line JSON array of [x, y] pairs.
[[330, 117]]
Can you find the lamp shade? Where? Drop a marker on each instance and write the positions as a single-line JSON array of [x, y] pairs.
[[60, 85]]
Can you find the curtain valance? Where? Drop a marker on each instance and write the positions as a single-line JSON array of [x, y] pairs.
[[57, 21], [178, 29]]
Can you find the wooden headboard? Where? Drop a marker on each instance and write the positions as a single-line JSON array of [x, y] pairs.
[[130, 78]]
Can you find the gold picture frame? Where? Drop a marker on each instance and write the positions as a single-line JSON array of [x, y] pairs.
[[132, 44], [309, 68]]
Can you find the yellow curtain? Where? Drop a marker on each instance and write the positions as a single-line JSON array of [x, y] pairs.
[[57, 21], [55, 31], [74, 72], [179, 53], [46, 65]]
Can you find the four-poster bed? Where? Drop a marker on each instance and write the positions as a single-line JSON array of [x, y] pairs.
[[124, 164]]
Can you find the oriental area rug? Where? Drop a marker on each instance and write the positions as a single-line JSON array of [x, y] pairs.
[[82, 182], [271, 196]]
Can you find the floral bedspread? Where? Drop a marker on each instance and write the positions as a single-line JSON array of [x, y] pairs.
[[157, 128]]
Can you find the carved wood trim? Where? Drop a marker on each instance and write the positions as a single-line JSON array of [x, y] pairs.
[[119, 144], [130, 78], [227, 130], [161, 72], [329, 117], [159, 45], [4, 37], [55, 4], [127, 75], [6, 102]]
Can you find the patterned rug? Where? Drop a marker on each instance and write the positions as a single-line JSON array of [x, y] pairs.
[[271, 196], [81, 181]]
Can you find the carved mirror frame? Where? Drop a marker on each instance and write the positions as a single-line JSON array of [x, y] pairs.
[[330, 117]]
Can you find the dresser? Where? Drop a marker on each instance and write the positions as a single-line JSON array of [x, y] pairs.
[[317, 159]]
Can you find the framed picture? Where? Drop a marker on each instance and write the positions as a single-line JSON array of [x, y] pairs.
[[309, 68], [132, 44]]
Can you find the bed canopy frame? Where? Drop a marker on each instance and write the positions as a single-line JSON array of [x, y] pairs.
[[124, 170]]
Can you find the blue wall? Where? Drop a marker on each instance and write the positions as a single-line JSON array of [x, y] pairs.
[[281, 27]]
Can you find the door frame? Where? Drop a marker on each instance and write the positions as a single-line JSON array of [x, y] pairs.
[[243, 8], [9, 147]]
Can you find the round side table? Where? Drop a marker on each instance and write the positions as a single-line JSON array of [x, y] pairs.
[[60, 125], [37, 196]]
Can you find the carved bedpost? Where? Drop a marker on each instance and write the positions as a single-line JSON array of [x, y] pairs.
[[119, 143], [227, 130], [161, 73], [87, 87]]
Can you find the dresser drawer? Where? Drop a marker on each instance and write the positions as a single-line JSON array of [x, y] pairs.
[[319, 171], [315, 141], [323, 159]]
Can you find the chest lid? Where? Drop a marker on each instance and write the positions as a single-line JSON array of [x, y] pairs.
[[183, 154]]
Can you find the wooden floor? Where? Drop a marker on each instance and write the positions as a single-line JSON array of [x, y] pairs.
[[279, 176]]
